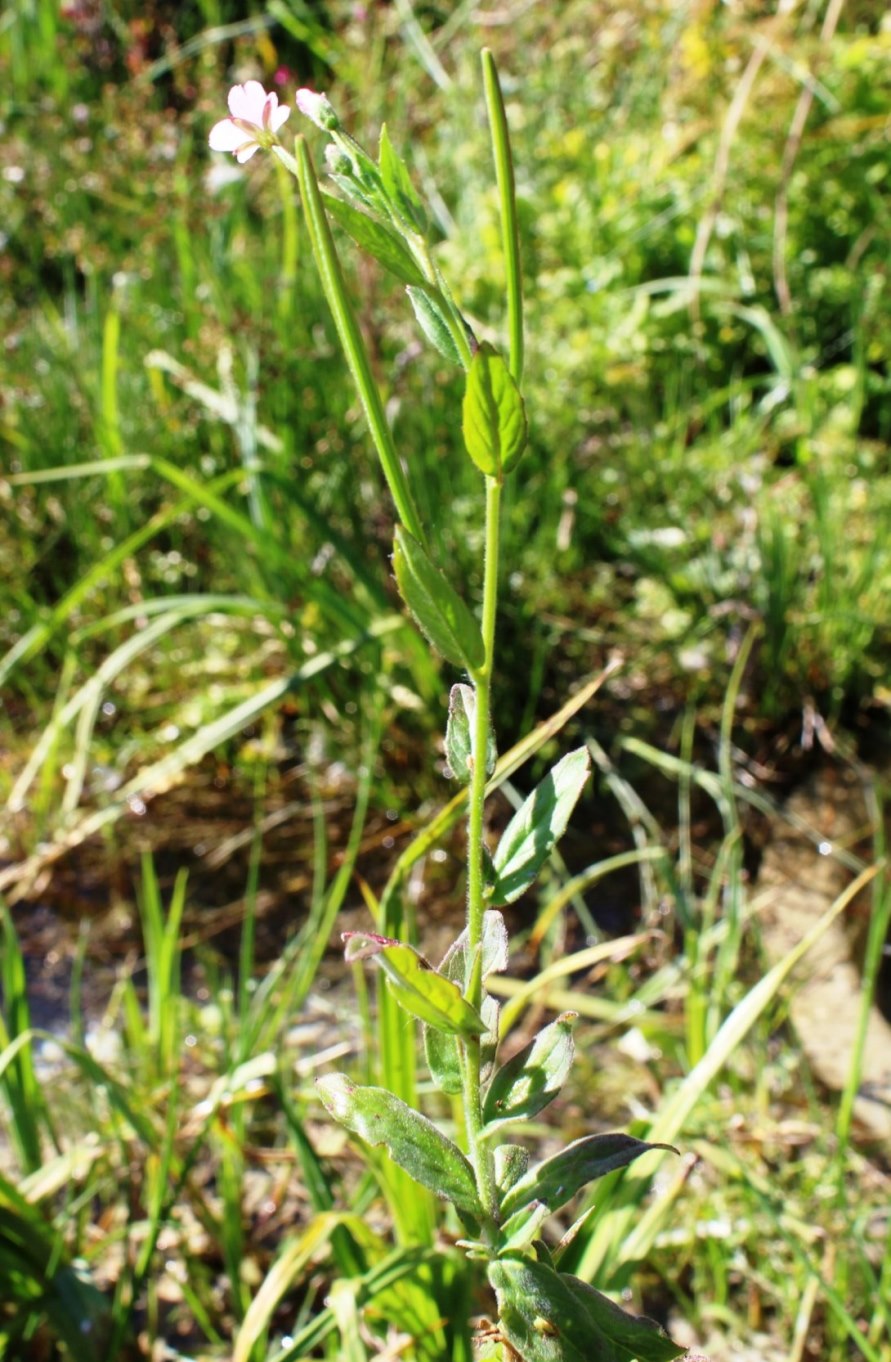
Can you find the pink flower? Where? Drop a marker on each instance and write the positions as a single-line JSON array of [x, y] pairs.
[[256, 119]]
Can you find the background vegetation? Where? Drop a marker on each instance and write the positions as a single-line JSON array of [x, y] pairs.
[[195, 593]]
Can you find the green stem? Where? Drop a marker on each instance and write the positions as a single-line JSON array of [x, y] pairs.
[[480, 1153], [328, 265], [510, 229]]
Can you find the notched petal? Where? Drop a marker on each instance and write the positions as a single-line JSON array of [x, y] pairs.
[[278, 116], [247, 101]]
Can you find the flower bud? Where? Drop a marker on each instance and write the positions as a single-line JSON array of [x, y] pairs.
[[337, 160], [319, 109]]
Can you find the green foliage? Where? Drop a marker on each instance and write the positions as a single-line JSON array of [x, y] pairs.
[[557, 1180], [537, 826], [533, 1077], [549, 1316], [459, 734], [429, 996], [439, 611], [415, 1143], [494, 416]]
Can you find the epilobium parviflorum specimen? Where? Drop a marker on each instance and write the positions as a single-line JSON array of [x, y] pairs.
[[501, 1198]]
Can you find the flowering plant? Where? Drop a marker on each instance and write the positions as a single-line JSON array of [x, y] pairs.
[[501, 1199]]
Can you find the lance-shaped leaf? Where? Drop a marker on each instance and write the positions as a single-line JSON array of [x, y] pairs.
[[549, 1316], [459, 735], [494, 416], [416, 986], [537, 826], [430, 314], [556, 1180], [379, 241], [412, 1141], [533, 1077], [438, 609], [397, 182]]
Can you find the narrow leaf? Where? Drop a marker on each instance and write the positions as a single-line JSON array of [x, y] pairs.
[[412, 1141], [416, 986], [556, 1180], [549, 1316], [533, 1077], [437, 608], [432, 321], [459, 735], [537, 826], [494, 416], [379, 241], [398, 184]]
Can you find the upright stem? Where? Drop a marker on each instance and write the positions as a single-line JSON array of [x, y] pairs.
[[328, 265], [478, 1148]]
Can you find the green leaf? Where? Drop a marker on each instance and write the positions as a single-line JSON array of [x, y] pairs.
[[549, 1316], [556, 1180], [412, 1141], [518, 1232], [437, 608], [431, 318], [493, 947], [459, 735], [494, 416], [351, 188], [398, 185], [443, 1055], [537, 826], [443, 1058], [533, 1077], [372, 236], [511, 1164], [416, 986]]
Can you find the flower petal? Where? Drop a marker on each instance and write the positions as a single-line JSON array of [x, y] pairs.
[[246, 152], [278, 117], [247, 101], [226, 136]]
